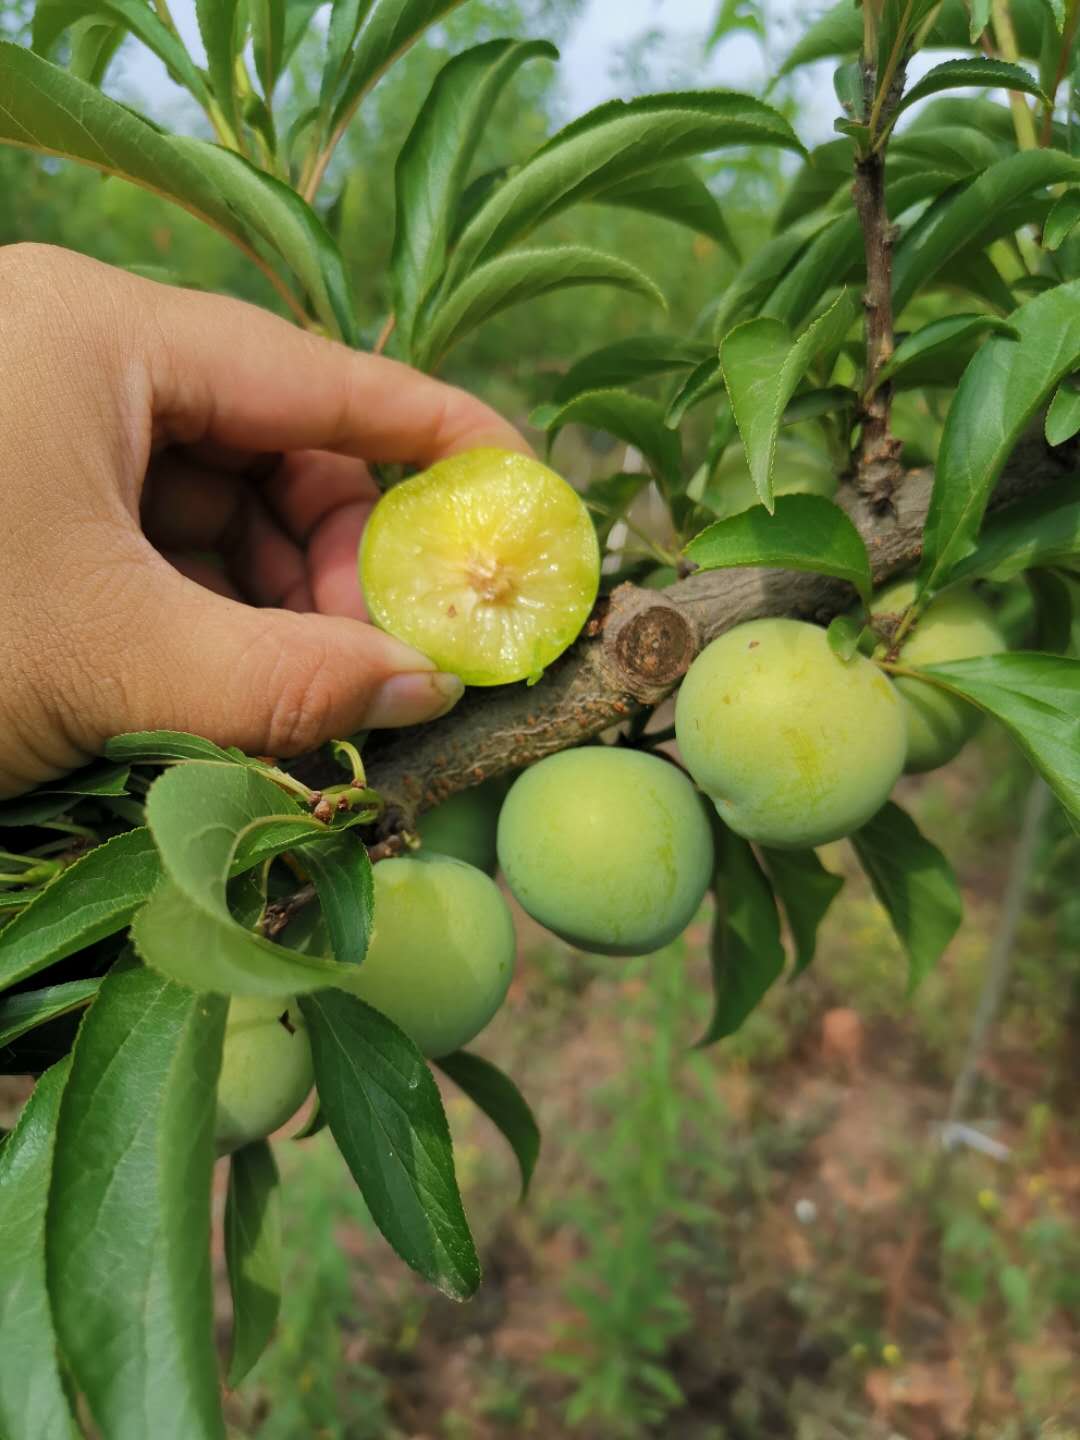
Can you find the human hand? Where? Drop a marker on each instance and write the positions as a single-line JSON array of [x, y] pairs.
[[146, 429]]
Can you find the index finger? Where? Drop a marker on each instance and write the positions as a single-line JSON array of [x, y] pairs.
[[227, 372]]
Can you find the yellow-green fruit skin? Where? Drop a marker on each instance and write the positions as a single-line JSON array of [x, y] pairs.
[[793, 745], [442, 955], [464, 826], [955, 626], [266, 1071], [610, 849]]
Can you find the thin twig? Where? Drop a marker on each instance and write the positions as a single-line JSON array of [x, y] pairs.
[[385, 333]]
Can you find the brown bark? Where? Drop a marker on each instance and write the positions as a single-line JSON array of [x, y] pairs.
[[879, 450], [640, 642]]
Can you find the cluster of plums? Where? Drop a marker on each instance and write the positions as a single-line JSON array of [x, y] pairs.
[[611, 848]]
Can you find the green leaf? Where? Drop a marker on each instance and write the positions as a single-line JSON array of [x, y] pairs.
[[1043, 530], [45, 109], [221, 41], [1063, 416], [843, 634], [1000, 393], [632, 418], [268, 21], [973, 215], [385, 1114], [94, 44], [524, 275], [200, 816], [298, 15], [53, 17], [341, 872], [1062, 220], [32, 1401], [915, 884], [275, 213], [1052, 602], [128, 1242], [954, 74], [763, 366], [1037, 699], [252, 1254], [760, 275], [836, 253], [390, 28], [805, 890], [155, 747], [980, 19], [745, 949], [502, 1102], [840, 31], [27, 1009], [346, 17], [827, 170], [94, 897], [52, 799], [706, 378], [608, 145], [805, 532], [949, 333], [639, 357], [434, 163], [611, 496], [674, 192]]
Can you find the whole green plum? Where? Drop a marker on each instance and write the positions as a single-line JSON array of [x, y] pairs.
[[442, 955], [955, 626], [266, 1072], [464, 826], [793, 745], [610, 849]]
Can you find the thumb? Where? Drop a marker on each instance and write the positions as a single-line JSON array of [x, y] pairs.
[[272, 682]]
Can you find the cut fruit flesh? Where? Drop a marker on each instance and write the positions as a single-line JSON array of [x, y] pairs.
[[487, 563]]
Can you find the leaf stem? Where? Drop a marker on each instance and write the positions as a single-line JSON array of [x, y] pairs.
[[385, 333], [1005, 36]]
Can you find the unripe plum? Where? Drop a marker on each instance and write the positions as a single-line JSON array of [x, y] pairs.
[[442, 955], [793, 745], [954, 626], [609, 848], [464, 826], [266, 1071]]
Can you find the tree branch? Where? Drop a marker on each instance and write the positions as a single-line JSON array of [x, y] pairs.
[[879, 450], [640, 643]]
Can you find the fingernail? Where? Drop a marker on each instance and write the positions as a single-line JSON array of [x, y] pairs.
[[412, 700]]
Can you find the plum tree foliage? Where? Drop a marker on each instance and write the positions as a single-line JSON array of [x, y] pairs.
[[880, 390]]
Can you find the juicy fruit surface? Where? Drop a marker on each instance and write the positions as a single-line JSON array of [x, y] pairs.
[[464, 826], [610, 849], [793, 745], [953, 627], [266, 1071], [487, 563], [442, 955]]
